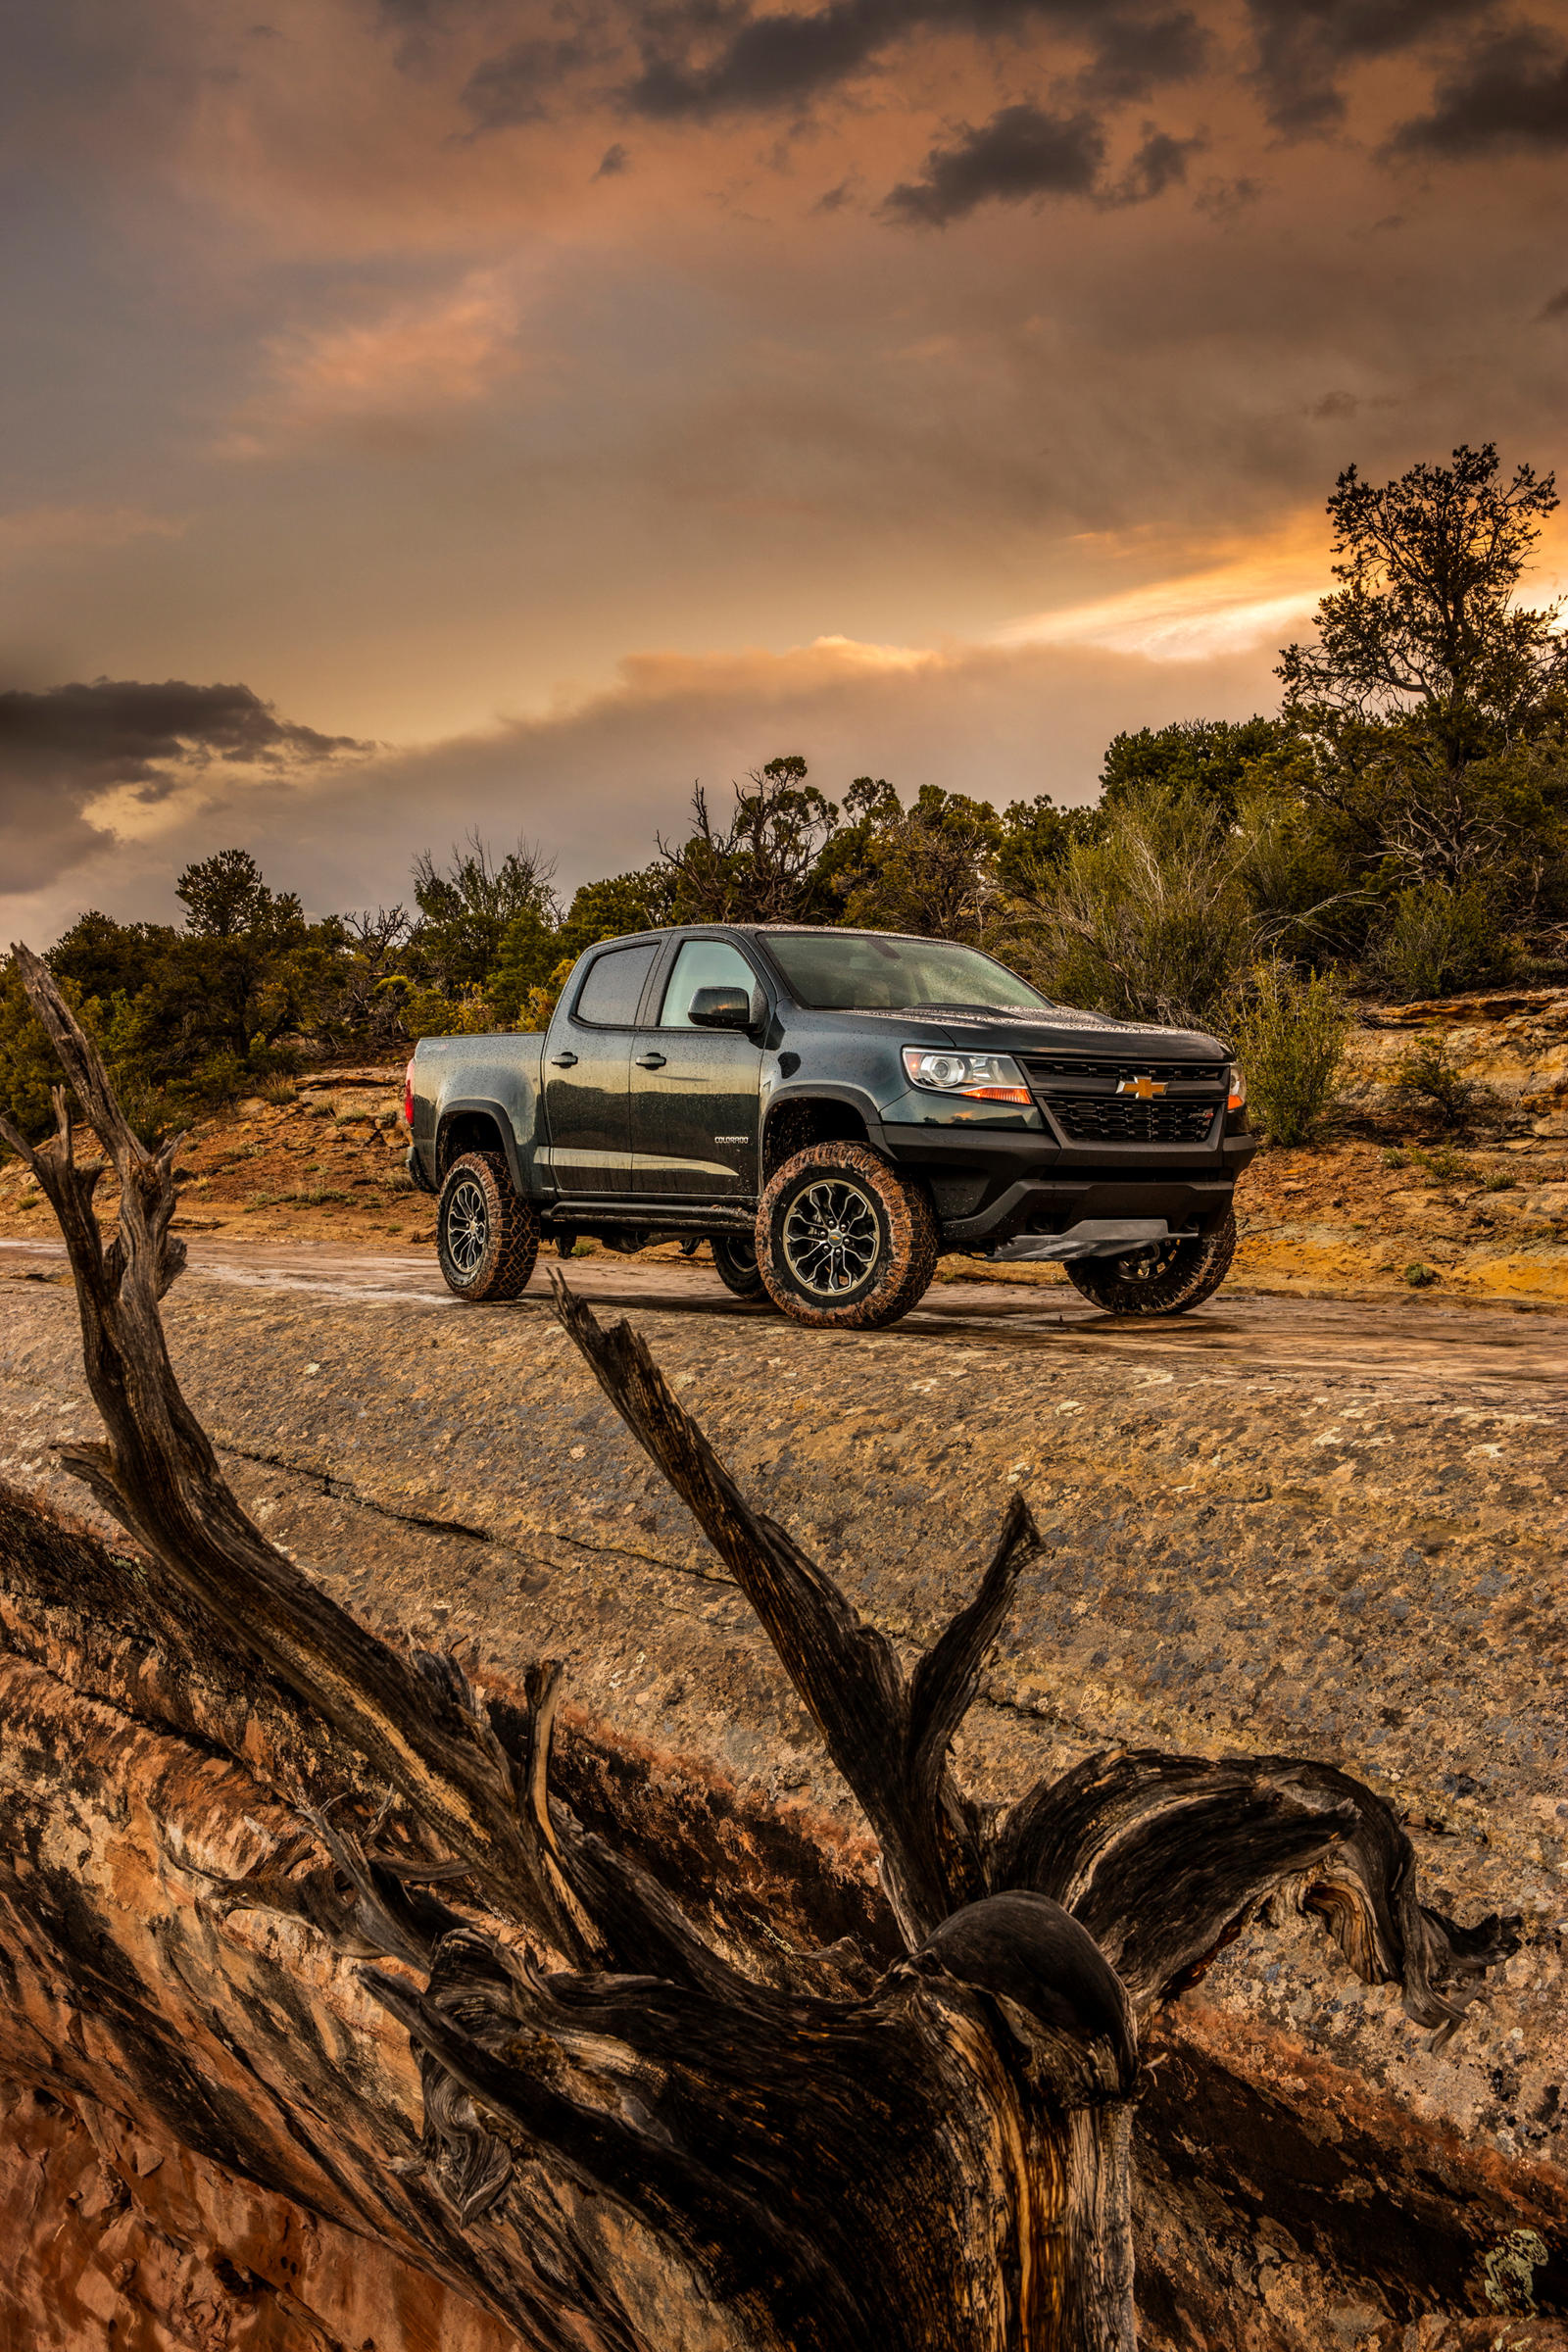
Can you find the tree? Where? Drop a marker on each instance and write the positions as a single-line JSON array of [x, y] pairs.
[[1431, 707], [1036, 837], [1208, 759], [227, 898], [468, 905], [1425, 624], [930, 869], [763, 868]]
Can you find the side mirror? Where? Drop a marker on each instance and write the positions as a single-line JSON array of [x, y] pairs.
[[720, 1008]]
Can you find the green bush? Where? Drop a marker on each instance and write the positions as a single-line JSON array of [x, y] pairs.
[[1150, 920], [1428, 1076], [1288, 1033], [1439, 940]]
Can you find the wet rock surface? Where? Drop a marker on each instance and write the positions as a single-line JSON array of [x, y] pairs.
[[1325, 1562]]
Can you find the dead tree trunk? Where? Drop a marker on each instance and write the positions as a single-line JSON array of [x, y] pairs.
[[651, 2143]]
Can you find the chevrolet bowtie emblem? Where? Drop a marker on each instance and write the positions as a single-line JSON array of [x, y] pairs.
[[1146, 1089]]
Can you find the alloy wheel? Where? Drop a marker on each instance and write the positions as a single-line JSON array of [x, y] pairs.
[[831, 1238], [467, 1228]]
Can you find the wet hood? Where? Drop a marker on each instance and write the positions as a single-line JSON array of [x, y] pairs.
[[1062, 1029]]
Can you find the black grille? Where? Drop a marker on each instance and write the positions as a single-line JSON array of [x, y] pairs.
[[1085, 1100], [1101, 1119], [1044, 1068]]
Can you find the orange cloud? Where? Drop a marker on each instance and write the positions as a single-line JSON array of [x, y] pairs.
[[386, 377]]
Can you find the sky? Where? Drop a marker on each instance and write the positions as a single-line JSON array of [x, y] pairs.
[[425, 415]]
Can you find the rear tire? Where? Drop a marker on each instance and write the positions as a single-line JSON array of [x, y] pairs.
[[843, 1244], [735, 1259], [1167, 1279], [486, 1237]]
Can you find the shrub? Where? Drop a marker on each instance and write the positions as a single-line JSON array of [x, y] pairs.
[[1439, 940], [1428, 1076], [1150, 920], [1289, 1032], [1420, 1278]]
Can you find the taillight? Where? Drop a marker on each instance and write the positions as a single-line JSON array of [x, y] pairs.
[[408, 1098]]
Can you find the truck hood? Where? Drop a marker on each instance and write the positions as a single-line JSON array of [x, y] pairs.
[[1060, 1029]]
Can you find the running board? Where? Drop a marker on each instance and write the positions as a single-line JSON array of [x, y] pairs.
[[592, 1218]]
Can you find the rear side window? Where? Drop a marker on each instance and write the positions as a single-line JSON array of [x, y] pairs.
[[613, 990], [702, 963]]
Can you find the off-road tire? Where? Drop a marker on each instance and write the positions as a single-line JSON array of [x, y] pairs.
[[735, 1261], [1168, 1279], [879, 1269], [486, 1237]]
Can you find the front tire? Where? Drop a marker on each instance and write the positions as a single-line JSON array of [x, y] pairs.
[[1169, 1278], [735, 1261], [843, 1244], [486, 1237]]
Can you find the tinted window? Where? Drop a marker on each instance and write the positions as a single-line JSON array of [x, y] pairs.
[[857, 971], [702, 963], [613, 987]]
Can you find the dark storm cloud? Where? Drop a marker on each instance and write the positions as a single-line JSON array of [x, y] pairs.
[[1136, 55], [60, 749], [1019, 154], [1305, 46], [517, 86], [1511, 93], [783, 59]]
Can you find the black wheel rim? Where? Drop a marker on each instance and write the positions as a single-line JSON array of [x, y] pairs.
[[467, 1228], [831, 1238]]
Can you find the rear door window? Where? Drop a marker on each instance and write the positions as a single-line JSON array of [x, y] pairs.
[[613, 990]]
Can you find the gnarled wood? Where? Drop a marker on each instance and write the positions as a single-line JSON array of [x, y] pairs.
[[642, 2142]]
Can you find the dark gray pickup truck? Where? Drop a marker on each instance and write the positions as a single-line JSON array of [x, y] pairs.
[[831, 1110]]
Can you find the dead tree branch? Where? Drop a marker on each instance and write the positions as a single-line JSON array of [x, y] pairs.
[[655, 2147]]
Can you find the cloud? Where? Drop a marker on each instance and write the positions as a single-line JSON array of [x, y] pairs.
[[1160, 164], [73, 758], [1557, 307], [1136, 56], [1305, 46], [383, 379], [594, 781], [515, 87], [1512, 93], [612, 161], [707, 57], [1019, 155]]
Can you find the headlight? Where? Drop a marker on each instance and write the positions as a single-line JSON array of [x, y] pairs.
[[983, 1077], [1237, 1096]]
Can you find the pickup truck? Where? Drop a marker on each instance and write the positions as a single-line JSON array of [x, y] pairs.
[[831, 1110]]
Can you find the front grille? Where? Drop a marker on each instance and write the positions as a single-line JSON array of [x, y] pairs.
[[1082, 1098], [1087, 1120], [1044, 1068]]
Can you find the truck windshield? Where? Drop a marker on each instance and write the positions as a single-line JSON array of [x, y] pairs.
[[855, 971]]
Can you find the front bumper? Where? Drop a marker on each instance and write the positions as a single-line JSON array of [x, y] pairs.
[[988, 1186]]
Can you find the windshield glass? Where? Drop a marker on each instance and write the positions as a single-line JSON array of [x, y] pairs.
[[854, 971]]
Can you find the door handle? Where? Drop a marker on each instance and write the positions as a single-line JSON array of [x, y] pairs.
[[650, 1061], [564, 1061]]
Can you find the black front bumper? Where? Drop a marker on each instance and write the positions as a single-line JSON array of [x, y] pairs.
[[988, 1186]]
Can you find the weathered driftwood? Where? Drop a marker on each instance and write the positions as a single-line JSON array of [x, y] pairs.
[[650, 2142]]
